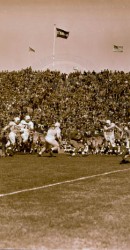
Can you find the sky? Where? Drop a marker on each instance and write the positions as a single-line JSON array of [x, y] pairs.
[[94, 27]]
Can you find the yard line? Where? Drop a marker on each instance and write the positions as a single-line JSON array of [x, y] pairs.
[[64, 182]]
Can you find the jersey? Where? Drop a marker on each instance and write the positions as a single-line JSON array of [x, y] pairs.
[[109, 131], [54, 133], [13, 127], [27, 126]]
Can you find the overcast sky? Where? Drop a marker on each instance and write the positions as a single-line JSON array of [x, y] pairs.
[[94, 26]]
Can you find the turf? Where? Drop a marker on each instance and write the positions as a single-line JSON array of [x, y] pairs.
[[86, 214]]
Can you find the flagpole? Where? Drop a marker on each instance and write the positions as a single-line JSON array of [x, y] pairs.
[[54, 43]]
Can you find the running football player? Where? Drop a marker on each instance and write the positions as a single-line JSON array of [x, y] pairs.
[[52, 139]]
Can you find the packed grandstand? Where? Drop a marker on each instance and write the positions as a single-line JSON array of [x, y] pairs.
[[80, 101]]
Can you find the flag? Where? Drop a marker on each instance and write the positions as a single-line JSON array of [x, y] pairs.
[[117, 48], [62, 33], [32, 50]]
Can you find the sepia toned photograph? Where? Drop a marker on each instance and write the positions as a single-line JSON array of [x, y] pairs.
[[64, 125]]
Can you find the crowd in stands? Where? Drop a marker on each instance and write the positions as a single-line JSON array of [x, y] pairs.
[[79, 101]]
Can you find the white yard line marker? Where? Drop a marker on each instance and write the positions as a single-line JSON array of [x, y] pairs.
[[64, 182]]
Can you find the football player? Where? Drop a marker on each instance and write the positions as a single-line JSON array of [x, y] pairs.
[[52, 139], [109, 134], [126, 152], [14, 129]]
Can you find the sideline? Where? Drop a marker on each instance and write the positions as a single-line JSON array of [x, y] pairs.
[[64, 182]]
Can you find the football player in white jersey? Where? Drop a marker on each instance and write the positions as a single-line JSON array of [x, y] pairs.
[[126, 152], [27, 126], [52, 139], [27, 129], [109, 133], [14, 129]]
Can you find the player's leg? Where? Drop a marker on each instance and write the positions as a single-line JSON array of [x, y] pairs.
[[46, 148], [12, 138], [113, 145], [125, 155], [52, 145], [55, 146], [10, 145], [25, 137]]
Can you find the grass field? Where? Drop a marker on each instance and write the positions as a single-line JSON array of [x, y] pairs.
[[91, 213]]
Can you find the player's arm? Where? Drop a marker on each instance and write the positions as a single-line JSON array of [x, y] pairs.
[[31, 126], [6, 127], [120, 130]]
